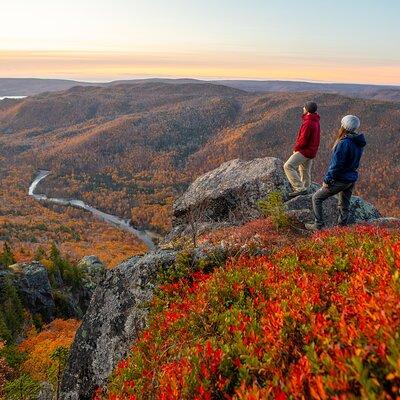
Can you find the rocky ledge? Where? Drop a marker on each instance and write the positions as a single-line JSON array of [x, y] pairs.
[[228, 195], [117, 313], [118, 310], [47, 295]]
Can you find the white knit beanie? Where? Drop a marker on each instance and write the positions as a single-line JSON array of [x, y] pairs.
[[351, 123]]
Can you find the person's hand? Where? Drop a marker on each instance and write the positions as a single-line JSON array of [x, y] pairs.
[[325, 185]]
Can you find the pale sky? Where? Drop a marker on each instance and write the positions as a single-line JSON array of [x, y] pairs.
[[332, 40]]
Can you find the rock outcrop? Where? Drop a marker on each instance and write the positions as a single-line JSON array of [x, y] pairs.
[[386, 222], [231, 191], [34, 287], [46, 392], [117, 313], [301, 209], [47, 295], [93, 270], [228, 195], [118, 310]]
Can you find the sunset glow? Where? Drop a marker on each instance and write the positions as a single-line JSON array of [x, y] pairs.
[[104, 40]]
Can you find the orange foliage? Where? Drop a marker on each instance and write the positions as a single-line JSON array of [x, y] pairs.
[[129, 149], [153, 215], [40, 346], [27, 225]]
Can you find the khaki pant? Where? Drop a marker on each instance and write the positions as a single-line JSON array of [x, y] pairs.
[[298, 171]]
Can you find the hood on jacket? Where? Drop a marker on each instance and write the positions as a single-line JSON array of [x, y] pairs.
[[358, 139], [311, 117]]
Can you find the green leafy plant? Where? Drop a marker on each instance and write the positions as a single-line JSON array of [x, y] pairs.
[[179, 269], [273, 207], [13, 356], [22, 388], [60, 358]]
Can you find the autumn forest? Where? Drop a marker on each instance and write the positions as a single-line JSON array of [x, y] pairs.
[[130, 150]]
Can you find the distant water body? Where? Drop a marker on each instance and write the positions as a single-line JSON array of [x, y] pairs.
[[12, 97], [124, 224]]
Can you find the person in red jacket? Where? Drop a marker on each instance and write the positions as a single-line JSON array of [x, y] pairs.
[[298, 166]]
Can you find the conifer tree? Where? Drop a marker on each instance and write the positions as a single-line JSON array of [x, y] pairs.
[[40, 253], [7, 257], [59, 357]]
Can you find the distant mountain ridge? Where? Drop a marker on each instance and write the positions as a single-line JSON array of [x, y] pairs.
[[32, 86], [376, 92]]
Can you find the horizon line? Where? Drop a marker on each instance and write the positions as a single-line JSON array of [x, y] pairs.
[[205, 79]]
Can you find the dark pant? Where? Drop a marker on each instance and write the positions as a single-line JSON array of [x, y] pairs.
[[344, 190]]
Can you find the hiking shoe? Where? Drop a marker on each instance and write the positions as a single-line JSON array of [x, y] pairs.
[[298, 193], [313, 227]]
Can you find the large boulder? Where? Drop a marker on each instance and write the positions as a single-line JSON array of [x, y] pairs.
[[117, 313], [51, 298], [230, 192], [35, 289], [386, 222], [228, 195]]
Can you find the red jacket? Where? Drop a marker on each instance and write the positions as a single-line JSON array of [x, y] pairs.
[[307, 141]]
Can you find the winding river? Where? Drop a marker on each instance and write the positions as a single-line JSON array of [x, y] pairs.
[[111, 219]]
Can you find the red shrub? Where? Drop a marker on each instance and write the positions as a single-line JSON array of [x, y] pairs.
[[320, 319]]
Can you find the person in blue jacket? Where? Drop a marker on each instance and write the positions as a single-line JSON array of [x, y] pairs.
[[342, 172]]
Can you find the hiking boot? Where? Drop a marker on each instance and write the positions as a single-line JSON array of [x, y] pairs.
[[298, 193], [313, 227]]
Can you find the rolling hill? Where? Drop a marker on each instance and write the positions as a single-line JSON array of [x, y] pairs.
[[29, 86], [129, 149]]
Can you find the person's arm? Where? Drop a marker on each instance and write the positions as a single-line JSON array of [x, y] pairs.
[[303, 138], [337, 162]]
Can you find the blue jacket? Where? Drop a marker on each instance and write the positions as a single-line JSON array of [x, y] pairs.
[[346, 159]]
